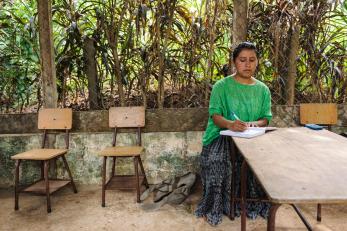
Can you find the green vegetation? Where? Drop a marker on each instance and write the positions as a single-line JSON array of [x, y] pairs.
[[156, 52]]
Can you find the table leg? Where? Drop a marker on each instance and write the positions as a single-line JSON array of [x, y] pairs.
[[243, 195], [103, 182], [233, 172], [272, 217], [319, 212], [297, 210]]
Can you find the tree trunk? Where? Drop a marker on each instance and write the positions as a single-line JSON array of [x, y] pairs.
[[239, 29], [292, 57], [117, 73], [117, 66], [112, 28], [342, 94], [211, 34], [169, 11], [89, 53], [144, 76], [48, 72]]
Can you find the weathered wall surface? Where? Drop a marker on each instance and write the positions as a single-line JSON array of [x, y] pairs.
[[165, 120], [166, 154], [172, 141]]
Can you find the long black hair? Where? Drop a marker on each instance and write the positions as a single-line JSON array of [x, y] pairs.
[[241, 46]]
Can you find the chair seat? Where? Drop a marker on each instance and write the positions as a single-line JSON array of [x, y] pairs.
[[39, 154], [122, 151]]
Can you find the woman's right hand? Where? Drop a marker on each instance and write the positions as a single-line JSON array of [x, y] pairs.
[[237, 126]]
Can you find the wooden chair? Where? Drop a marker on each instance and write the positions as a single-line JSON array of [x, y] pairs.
[[48, 119], [318, 113], [124, 117], [322, 114]]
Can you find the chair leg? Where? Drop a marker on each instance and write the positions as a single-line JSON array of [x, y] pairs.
[[113, 167], [137, 179], [46, 166], [53, 168], [143, 172], [103, 172], [319, 212], [42, 170], [16, 185], [70, 175]]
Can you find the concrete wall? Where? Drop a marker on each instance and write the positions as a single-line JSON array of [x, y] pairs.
[[172, 141], [166, 154]]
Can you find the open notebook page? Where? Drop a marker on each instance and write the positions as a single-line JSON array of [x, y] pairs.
[[249, 133]]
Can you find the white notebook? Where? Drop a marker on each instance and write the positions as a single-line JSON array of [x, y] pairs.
[[249, 133]]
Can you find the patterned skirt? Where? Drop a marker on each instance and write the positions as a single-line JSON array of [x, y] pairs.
[[216, 179]]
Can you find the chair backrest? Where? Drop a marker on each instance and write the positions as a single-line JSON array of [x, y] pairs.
[[126, 117], [55, 118], [318, 113]]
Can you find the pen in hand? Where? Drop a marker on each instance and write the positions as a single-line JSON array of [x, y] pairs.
[[238, 124], [248, 124], [235, 116]]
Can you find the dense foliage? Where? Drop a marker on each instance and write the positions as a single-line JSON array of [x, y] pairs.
[[157, 52]]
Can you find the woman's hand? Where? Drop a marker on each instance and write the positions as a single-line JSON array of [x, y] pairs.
[[258, 123], [253, 124], [237, 126]]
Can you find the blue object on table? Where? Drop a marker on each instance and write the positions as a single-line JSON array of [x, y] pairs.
[[314, 126]]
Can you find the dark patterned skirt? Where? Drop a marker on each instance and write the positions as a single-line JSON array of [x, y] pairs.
[[216, 179]]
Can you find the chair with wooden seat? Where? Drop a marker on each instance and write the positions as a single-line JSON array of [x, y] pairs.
[[318, 113], [321, 114], [48, 119], [124, 117]]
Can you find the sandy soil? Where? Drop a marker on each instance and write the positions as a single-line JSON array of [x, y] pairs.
[[83, 211]]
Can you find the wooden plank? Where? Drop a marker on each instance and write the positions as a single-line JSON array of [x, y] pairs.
[[318, 113], [55, 118], [40, 186], [127, 117], [122, 151], [299, 165], [125, 182], [39, 154]]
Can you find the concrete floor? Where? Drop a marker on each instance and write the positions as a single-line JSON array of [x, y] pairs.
[[82, 211]]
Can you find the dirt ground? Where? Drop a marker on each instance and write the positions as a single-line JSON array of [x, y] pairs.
[[83, 211]]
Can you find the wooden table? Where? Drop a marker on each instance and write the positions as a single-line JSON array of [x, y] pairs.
[[295, 165]]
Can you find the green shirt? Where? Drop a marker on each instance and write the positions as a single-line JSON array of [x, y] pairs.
[[248, 102]]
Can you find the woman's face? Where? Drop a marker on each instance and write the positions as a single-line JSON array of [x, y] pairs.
[[246, 63]]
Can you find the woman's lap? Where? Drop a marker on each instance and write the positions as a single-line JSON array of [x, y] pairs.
[[216, 179]]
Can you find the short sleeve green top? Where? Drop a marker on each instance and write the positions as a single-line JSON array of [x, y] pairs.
[[248, 102]]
